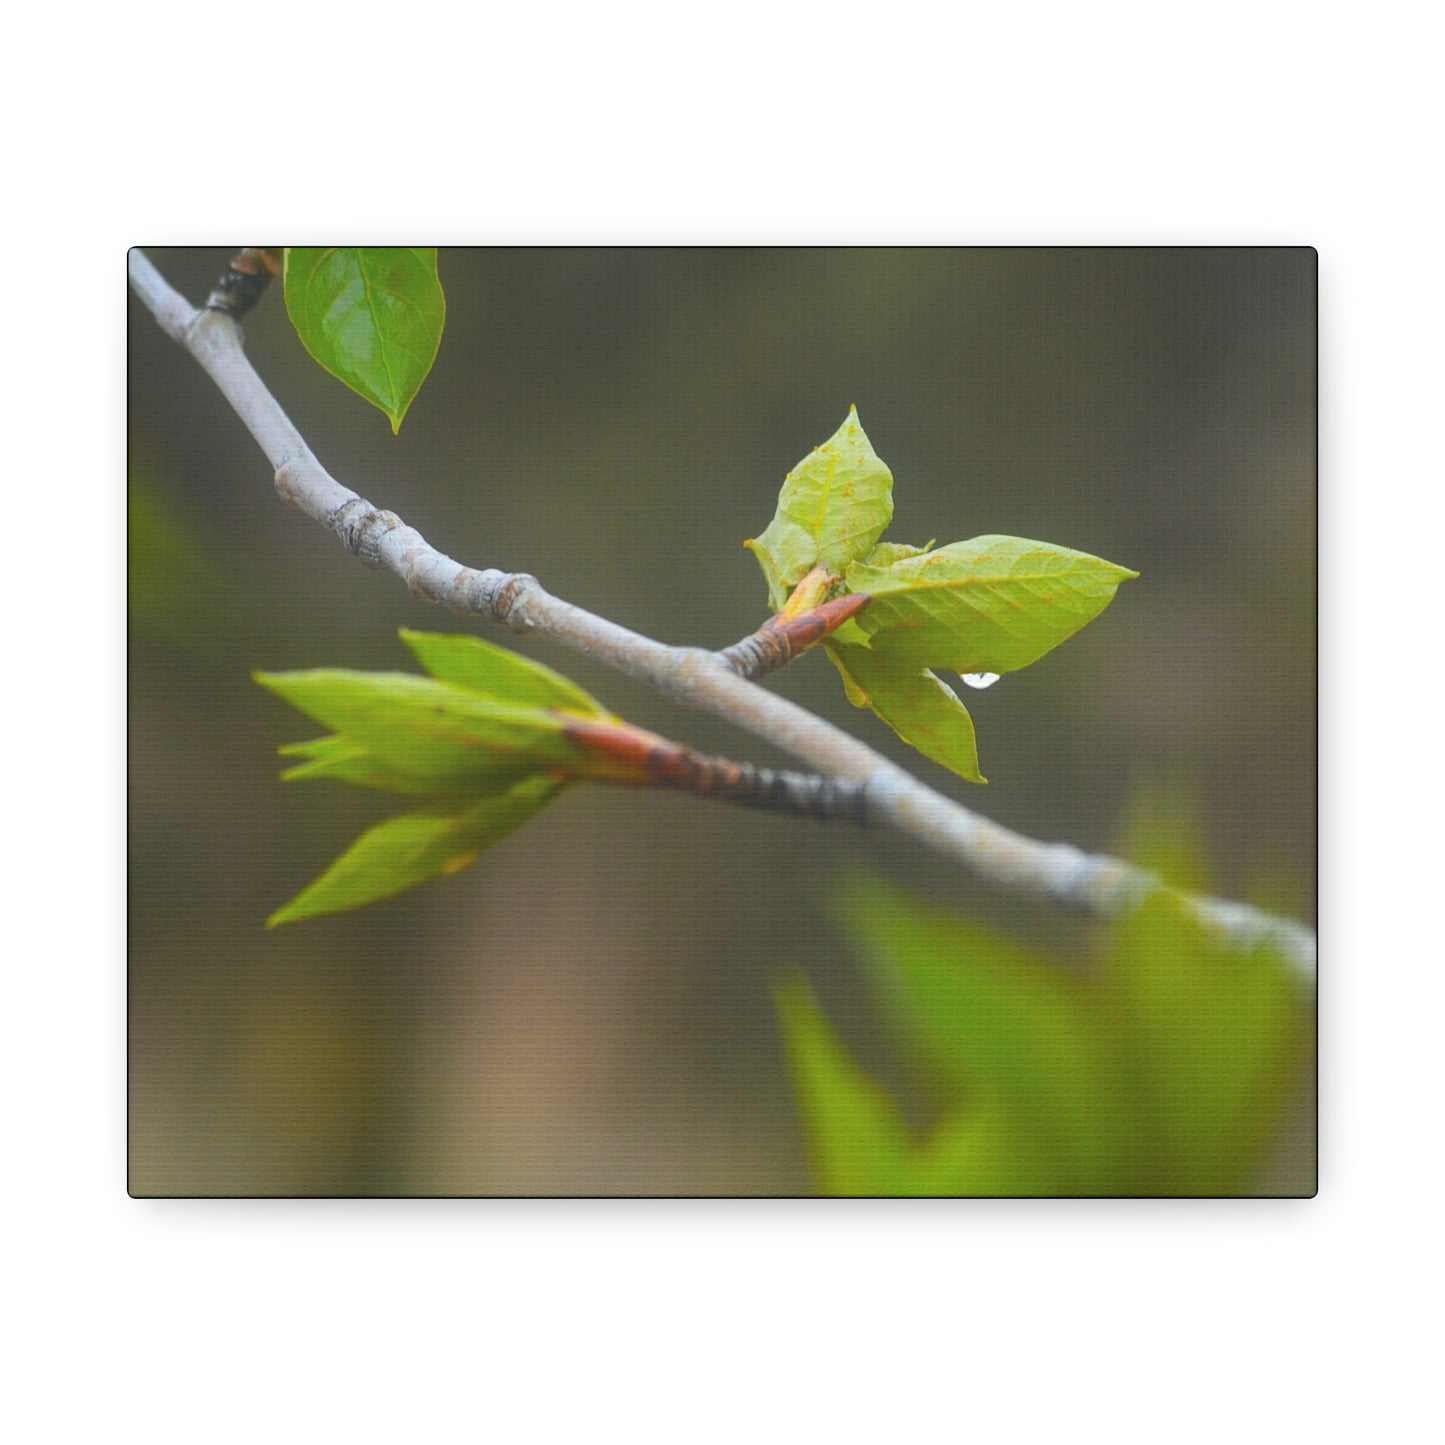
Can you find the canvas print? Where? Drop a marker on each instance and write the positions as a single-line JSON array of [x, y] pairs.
[[749, 721]]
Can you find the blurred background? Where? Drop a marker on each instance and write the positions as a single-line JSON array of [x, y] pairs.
[[587, 1010]]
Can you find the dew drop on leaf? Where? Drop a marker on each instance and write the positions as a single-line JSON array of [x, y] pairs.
[[979, 679]]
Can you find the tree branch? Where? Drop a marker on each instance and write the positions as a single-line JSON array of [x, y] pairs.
[[1056, 872]]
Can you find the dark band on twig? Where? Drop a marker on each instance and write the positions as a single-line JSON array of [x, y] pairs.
[[805, 795], [630, 757], [245, 280]]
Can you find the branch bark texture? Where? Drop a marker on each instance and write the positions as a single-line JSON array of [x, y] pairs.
[[1055, 872]]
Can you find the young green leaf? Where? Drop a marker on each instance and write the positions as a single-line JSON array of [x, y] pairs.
[[834, 505], [426, 736], [1217, 1040], [976, 1151], [1002, 1028], [468, 662], [993, 604], [857, 1139], [1217, 1036], [370, 315], [859, 1143], [923, 711], [415, 847], [343, 760], [1163, 1070]]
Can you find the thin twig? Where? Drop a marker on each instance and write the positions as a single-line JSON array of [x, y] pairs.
[[1056, 872], [783, 638], [644, 759]]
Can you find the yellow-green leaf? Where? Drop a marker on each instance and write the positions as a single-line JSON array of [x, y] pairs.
[[993, 604], [834, 505], [922, 710], [431, 736], [503, 676], [857, 1139], [408, 850], [344, 760]]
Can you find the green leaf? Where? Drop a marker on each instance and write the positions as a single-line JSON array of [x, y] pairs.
[[859, 1143], [857, 1139], [922, 710], [1217, 1039], [415, 847], [994, 604], [490, 737], [1005, 1031], [370, 315], [344, 760], [177, 583], [978, 1152], [425, 736], [504, 677], [1165, 1070], [1217, 1036], [834, 505]]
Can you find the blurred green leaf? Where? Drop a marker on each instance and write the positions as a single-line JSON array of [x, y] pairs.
[[857, 1139], [925, 712], [410, 849], [993, 604], [176, 582], [505, 677], [1163, 1067], [834, 505], [1217, 1037], [1003, 1029], [490, 736], [370, 315], [977, 1151], [1161, 831]]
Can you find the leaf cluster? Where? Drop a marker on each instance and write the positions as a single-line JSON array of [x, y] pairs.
[[990, 605], [1161, 1068], [487, 740]]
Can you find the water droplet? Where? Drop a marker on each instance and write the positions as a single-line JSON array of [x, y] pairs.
[[979, 679]]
